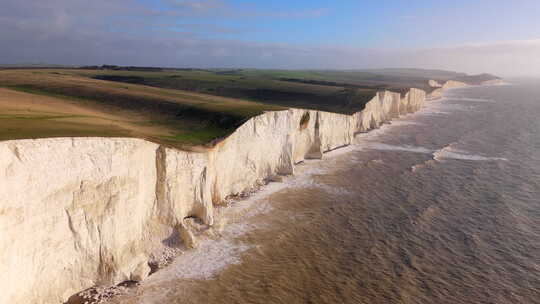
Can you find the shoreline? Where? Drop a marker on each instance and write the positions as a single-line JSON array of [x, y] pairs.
[[204, 255], [241, 213], [180, 219]]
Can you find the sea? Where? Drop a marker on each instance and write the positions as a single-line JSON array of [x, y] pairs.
[[440, 206]]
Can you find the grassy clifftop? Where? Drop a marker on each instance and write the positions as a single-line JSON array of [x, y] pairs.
[[179, 107], [300, 89], [45, 103]]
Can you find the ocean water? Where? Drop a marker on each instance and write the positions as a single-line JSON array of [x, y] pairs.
[[442, 206]]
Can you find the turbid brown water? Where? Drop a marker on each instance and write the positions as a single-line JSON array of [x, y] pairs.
[[441, 207]]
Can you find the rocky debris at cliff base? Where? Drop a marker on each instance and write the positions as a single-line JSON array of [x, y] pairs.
[[231, 199], [101, 295], [164, 258], [234, 208]]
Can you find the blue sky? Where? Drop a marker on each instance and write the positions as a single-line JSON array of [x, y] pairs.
[[391, 23], [474, 35]]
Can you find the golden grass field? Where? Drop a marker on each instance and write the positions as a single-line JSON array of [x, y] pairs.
[[45, 103]]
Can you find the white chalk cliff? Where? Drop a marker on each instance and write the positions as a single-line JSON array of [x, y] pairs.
[[80, 212], [434, 84]]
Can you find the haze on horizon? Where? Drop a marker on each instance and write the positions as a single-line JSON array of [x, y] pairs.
[[499, 37]]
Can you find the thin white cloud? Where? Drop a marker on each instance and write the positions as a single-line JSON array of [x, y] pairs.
[[225, 9], [202, 5]]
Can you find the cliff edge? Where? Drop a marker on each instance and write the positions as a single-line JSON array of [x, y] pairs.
[[81, 212]]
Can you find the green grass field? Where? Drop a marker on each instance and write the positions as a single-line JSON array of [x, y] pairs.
[[179, 107]]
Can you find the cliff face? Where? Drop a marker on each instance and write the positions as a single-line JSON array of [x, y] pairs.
[[493, 82], [80, 212], [72, 215], [434, 84], [450, 84]]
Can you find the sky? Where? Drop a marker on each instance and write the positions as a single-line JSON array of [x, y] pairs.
[[473, 36]]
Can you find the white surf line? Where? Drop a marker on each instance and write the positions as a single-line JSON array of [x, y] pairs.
[[404, 148], [369, 141], [473, 99]]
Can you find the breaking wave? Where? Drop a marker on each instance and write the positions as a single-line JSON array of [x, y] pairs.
[[404, 148], [473, 99], [450, 152]]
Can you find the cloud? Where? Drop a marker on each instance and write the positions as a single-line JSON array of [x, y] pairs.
[[204, 28], [225, 9], [203, 5], [124, 32], [127, 33], [314, 13]]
